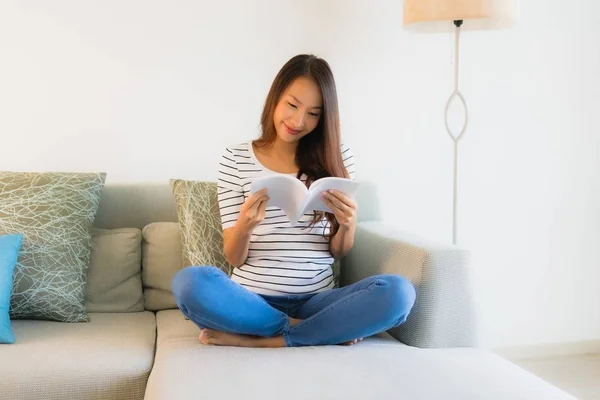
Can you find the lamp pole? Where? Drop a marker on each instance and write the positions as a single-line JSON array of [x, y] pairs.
[[456, 94]]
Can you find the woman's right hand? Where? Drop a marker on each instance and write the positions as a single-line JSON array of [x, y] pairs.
[[252, 212]]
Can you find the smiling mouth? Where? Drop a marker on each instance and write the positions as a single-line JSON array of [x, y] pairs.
[[291, 131]]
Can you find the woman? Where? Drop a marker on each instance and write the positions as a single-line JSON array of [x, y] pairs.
[[281, 290]]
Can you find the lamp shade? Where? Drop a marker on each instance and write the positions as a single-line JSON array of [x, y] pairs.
[[437, 15]]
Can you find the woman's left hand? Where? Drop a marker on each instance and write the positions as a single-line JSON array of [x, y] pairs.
[[343, 207]]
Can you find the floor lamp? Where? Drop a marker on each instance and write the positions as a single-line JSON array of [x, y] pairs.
[[457, 15]]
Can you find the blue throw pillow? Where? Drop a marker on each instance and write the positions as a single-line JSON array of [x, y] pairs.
[[9, 252]]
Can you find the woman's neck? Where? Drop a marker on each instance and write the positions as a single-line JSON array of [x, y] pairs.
[[278, 156], [285, 150]]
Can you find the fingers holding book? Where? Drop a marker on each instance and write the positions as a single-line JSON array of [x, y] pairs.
[[343, 207], [252, 212]]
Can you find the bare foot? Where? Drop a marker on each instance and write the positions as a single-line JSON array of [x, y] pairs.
[[352, 342], [209, 336], [217, 338]]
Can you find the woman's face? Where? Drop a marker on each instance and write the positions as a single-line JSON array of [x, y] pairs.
[[298, 111]]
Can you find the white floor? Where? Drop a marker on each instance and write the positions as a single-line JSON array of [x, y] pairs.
[[578, 375]]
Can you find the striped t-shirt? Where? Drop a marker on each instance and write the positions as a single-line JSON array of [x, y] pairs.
[[281, 259]]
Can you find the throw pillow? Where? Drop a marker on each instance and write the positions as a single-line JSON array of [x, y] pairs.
[[161, 260], [9, 252], [200, 222], [55, 213], [114, 278]]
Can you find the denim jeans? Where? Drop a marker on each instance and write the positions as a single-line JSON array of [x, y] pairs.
[[210, 299]]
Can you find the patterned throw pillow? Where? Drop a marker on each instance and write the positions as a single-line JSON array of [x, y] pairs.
[[55, 213], [200, 222]]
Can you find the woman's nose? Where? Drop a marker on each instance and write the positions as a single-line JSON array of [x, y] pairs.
[[298, 120]]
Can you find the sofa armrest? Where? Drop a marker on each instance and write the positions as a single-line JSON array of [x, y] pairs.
[[444, 311]]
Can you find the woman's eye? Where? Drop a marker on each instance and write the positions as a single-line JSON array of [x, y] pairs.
[[314, 115], [292, 105]]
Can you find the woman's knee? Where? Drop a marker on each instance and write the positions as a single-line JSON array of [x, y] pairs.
[[189, 281], [399, 295]]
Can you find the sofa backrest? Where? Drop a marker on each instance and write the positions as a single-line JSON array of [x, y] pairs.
[[135, 206]]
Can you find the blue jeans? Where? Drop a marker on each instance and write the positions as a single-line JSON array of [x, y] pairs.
[[210, 299]]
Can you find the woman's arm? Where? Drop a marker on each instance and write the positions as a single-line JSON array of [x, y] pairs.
[[236, 240], [344, 209], [239, 216], [342, 242], [235, 246]]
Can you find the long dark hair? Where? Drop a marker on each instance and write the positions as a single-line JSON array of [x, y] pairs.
[[318, 154]]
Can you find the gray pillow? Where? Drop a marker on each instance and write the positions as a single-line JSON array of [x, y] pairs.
[[161, 260], [55, 213], [114, 279]]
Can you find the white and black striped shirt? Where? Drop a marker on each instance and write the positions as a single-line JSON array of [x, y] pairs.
[[281, 259]]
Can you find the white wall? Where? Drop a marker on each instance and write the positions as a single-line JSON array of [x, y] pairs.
[[149, 90]]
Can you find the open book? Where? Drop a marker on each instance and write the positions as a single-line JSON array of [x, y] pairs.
[[291, 195]]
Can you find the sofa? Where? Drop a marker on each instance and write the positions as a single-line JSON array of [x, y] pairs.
[[146, 349]]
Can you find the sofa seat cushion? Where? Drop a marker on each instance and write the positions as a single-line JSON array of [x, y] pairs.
[[378, 368], [109, 357]]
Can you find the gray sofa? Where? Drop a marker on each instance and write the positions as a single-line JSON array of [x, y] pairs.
[[153, 353]]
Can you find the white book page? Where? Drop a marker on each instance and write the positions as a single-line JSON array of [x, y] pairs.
[[313, 200], [285, 192]]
